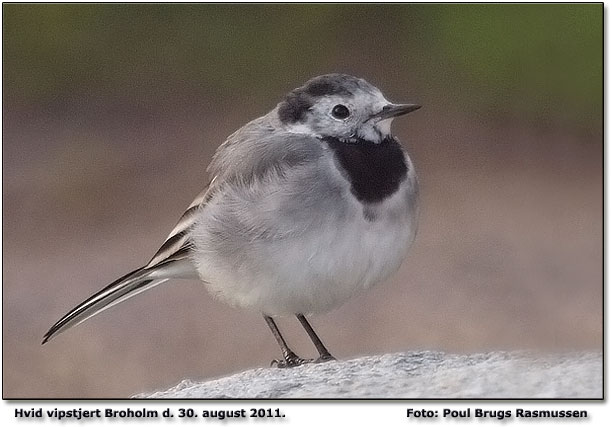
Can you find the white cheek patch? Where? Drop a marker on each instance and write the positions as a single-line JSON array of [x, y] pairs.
[[300, 128], [385, 126]]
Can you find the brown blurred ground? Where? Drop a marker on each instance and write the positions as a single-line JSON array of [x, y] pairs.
[[508, 256]]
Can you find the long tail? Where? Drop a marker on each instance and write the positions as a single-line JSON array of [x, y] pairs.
[[121, 289], [172, 261]]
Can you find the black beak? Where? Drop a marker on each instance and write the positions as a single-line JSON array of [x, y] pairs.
[[394, 110]]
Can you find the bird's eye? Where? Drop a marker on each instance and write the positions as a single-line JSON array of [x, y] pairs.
[[340, 112]]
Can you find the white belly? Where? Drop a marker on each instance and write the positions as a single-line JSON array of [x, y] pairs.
[[316, 269]]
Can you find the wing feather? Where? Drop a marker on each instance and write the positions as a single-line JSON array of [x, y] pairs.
[[178, 239]]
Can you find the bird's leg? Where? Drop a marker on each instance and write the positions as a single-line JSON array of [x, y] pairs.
[[290, 358], [324, 354]]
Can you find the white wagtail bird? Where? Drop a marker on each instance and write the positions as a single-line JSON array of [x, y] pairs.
[[306, 206]]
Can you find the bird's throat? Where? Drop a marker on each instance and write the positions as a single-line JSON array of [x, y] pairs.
[[375, 170]]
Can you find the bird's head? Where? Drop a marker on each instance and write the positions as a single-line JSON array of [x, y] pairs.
[[340, 106]]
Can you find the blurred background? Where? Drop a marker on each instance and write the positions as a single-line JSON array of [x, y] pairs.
[[111, 113]]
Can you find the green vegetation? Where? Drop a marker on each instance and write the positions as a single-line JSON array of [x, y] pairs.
[[527, 60]]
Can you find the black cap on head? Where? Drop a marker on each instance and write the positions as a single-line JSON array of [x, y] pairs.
[[297, 102]]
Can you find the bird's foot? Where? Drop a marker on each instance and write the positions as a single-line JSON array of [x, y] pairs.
[[291, 360], [325, 358]]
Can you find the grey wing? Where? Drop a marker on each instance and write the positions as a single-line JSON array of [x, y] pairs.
[[262, 147], [170, 261], [176, 246], [247, 156]]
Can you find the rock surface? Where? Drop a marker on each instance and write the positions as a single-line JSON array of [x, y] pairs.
[[413, 375]]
